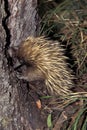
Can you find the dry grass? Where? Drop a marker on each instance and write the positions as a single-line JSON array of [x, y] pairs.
[[67, 22]]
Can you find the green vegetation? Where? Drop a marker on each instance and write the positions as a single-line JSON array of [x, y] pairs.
[[66, 21]]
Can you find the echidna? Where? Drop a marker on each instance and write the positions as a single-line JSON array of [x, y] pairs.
[[46, 61]]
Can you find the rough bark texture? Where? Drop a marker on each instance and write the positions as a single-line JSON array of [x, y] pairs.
[[22, 21], [18, 19]]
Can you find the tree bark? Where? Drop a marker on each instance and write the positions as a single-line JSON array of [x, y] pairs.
[[18, 19]]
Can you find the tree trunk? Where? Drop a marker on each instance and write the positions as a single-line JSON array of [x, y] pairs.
[[18, 19]]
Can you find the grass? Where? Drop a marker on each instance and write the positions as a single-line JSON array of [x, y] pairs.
[[66, 21]]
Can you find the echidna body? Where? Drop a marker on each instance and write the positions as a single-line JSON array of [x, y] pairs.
[[47, 62]]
